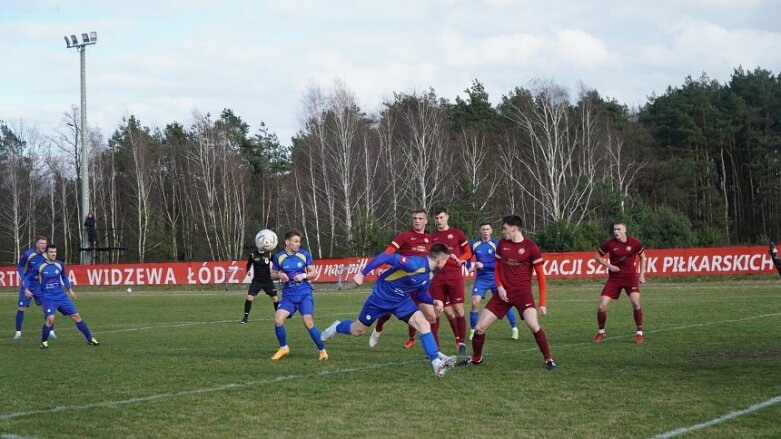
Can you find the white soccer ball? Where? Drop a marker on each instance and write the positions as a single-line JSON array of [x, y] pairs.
[[129, 290], [266, 240]]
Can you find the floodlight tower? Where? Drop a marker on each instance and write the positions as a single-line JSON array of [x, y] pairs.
[[73, 43]]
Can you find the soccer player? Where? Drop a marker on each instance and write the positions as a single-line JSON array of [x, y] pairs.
[[392, 294], [448, 283], [774, 256], [484, 249], [260, 262], [517, 256], [412, 242], [28, 262], [48, 278], [618, 255], [293, 266]]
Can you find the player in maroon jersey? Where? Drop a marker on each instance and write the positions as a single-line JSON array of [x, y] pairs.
[[618, 255], [516, 258], [411, 242], [448, 283]]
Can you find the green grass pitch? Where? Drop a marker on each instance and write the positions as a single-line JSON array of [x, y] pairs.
[[177, 363]]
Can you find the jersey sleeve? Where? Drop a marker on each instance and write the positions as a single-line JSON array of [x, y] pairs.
[[275, 262], [309, 260], [603, 249], [20, 266], [535, 255], [64, 275], [423, 295], [380, 259], [399, 240]]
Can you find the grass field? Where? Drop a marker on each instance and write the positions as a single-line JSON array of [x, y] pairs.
[[178, 364]]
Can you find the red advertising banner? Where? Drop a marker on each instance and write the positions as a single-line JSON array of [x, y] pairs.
[[667, 262]]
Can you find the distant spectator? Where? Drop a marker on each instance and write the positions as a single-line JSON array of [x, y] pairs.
[[774, 256], [92, 233]]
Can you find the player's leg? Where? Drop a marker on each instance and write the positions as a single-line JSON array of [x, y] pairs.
[[24, 305], [416, 319], [609, 292], [494, 310], [271, 291], [286, 308], [358, 327], [254, 288], [307, 309], [50, 310], [529, 316], [456, 297], [634, 299], [473, 312], [67, 308], [437, 292]]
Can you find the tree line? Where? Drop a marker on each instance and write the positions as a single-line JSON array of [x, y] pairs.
[[697, 165]]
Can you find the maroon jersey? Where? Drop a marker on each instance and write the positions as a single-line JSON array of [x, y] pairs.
[[622, 255], [412, 243], [454, 239], [517, 261]]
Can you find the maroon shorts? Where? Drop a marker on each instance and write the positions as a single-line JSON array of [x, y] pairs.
[[448, 290], [500, 308], [613, 287]]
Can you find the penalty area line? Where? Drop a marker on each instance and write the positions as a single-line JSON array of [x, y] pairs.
[[720, 419], [169, 395]]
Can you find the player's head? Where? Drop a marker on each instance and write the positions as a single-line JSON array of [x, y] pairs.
[[619, 230], [511, 226], [486, 230], [438, 256], [440, 218], [51, 252], [293, 240], [40, 243], [419, 220]]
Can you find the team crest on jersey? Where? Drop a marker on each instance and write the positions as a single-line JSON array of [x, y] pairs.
[[265, 260], [490, 251], [521, 251], [449, 236], [629, 248], [299, 265], [56, 271], [425, 240]]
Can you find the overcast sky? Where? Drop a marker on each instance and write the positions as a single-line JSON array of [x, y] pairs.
[[160, 60]]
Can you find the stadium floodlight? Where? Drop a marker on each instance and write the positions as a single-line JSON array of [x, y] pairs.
[[87, 40], [67, 42]]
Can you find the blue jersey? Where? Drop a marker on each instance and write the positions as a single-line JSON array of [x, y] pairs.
[[293, 265], [485, 252], [407, 275], [28, 262], [50, 277]]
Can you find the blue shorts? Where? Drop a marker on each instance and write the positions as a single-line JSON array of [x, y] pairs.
[[24, 301], [375, 308], [305, 304], [482, 286], [61, 303]]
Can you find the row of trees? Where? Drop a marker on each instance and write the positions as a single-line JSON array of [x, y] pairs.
[[698, 165]]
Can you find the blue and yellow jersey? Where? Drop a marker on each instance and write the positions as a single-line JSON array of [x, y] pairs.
[[407, 275], [485, 252], [48, 278], [293, 265], [29, 261]]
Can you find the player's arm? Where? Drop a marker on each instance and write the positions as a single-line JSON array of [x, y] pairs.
[[21, 265], [643, 259], [542, 286], [26, 279], [277, 273], [249, 263], [423, 295], [466, 253], [66, 281], [599, 256], [499, 285]]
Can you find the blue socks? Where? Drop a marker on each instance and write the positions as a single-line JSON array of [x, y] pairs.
[[315, 334], [511, 318], [429, 346], [473, 319], [84, 330], [45, 331], [281, 335], [19, 319], [344, 327]]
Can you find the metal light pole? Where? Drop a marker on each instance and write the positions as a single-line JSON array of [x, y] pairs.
[[92, 38]]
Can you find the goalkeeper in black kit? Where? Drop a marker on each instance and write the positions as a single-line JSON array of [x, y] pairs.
[[774, 256], [260, 262]]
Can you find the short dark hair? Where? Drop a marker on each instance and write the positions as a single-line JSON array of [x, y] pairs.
[[41, 237], [619, 223], [438, 210], [485, 223], [423, 211], [291, 233], [513, 220], [48, 246], [438, 248]]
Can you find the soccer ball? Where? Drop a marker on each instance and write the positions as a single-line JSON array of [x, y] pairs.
[[266, 240]]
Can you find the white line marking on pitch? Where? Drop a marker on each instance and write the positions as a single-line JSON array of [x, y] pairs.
[[229, 386], [720, 419]]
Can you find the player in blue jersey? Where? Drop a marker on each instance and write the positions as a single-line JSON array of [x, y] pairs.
[[293, 266], [50, 277], [29, 261], [392, 294], [484, 249]]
